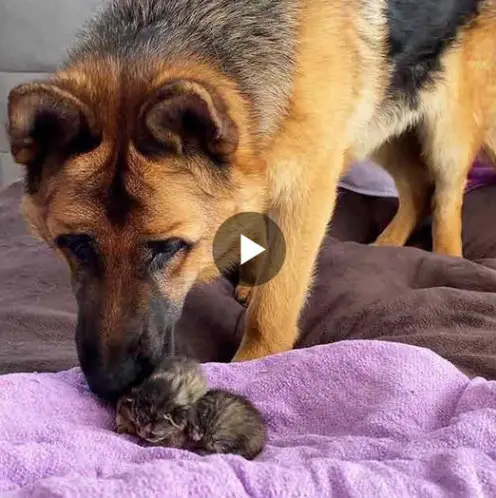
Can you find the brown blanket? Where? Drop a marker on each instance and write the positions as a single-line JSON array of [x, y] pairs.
[[361, 292]]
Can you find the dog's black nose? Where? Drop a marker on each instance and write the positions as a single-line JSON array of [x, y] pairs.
[[110, 382]]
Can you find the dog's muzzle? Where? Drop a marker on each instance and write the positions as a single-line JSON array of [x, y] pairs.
[[114, 362]]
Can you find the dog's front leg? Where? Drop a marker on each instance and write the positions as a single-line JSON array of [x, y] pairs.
[[304, 193], [306, 159]]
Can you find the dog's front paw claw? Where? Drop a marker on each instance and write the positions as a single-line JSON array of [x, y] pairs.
[[243, 295]]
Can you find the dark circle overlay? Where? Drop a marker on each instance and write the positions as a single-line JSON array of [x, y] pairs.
[[262, 230]]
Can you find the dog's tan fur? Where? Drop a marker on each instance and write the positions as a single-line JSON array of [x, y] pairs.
[[334, 114]]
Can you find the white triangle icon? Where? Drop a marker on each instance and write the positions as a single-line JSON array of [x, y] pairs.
[[249, 249]]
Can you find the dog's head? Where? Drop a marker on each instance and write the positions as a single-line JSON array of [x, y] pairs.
[[128, 176]]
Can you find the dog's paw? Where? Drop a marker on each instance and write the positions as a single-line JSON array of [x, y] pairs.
[[254, 350], [242, 294]]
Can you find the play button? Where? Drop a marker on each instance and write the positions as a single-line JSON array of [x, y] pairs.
[[249, 248]]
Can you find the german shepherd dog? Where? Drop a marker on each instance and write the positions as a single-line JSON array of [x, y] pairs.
[[170, 116]]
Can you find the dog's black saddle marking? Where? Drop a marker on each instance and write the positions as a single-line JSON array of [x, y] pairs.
[[419, 33]]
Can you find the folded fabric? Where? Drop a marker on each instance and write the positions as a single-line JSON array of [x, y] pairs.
[[368, 178], [481, 174], [353, 419]]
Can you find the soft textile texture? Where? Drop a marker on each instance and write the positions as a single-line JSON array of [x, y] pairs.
[[482, 173], [370, 179], [354, 419], [361, 292]]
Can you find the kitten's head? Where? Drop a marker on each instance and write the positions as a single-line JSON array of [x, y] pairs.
[[147, 413]]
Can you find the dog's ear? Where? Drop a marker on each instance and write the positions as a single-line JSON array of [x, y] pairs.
[[45, 119], [185, 117]]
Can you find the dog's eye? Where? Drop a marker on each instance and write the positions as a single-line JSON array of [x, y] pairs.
[[81, 246], [162, 251]]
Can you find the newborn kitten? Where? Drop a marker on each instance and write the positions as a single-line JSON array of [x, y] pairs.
[[225, 422], [173, 408], [158, 409]]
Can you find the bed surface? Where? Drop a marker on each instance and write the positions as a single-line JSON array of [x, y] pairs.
[[349, 420]]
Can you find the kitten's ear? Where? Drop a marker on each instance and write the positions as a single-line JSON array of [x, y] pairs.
[[185, 117], [123, 418], [124, 406], [45, 119]]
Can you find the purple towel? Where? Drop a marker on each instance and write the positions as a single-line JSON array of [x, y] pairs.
[[353, 419], [481, 174], [369, 179]]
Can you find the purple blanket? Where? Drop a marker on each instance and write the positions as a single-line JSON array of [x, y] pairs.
[[353, 419]]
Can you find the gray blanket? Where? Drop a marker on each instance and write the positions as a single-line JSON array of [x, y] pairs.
[[394, 294]]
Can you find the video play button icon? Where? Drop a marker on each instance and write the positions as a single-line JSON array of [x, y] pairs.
[[249, 247]]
